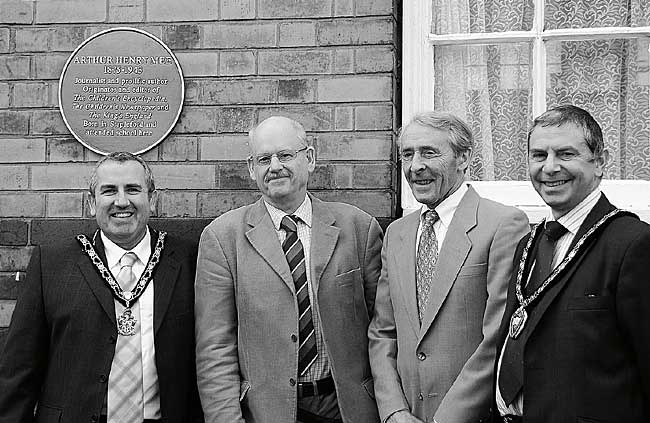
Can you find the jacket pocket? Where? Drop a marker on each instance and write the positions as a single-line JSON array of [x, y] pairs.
[[48, 414], [369, 385], [244, 387], [600, 302], [347, 278], [473, 270]]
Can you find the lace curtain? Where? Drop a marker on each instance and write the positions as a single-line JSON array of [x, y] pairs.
[[490, 86]]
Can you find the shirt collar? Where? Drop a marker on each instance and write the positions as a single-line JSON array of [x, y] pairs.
[[114, 252], [448, 206], [574, 218], [304, 212]]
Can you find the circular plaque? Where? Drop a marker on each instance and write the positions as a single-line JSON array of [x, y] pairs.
[[121, 90]]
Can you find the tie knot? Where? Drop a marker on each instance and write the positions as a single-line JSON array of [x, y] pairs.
[[128, 259], [289, 223], [430, 217], [554, 230]]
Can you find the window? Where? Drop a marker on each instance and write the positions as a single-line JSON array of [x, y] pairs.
[[500, 63]]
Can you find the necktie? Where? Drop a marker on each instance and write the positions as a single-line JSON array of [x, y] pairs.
[[512, 365], [125, 404], [295, 254], [426, 260]]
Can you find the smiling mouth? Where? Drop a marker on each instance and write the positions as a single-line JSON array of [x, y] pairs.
[[423, 181], [122, 215], [553, 184]]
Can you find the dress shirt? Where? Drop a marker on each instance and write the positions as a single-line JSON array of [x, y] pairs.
[[445, 210], [151, 394], [572, 221], [321, 367]]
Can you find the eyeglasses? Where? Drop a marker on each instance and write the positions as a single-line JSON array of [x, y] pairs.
[[284, 156]]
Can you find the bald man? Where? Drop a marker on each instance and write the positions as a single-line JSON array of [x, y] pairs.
[[285, 289]]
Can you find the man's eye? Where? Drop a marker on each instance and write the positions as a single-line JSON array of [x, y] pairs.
[[429, 154], [537, 157], [407, 155], [263, 160], [134, 190], [567, 155], [108, 191], [285, 156]]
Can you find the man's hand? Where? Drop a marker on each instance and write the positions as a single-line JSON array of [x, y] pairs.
[[403, 416]]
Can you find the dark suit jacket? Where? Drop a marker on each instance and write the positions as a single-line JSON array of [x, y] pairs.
[[246, 313], [587, 339], [62, 337]]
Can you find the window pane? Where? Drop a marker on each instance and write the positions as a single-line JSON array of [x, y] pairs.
[[596, 13], [610, 79], [467, 16], [489, 86]]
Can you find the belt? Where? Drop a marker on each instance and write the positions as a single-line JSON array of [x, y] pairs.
[[509, 418], [103, 419], [318, 387]]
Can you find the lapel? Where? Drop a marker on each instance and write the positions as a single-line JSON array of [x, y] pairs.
[[455, 249], [324, 236], [405, 262], [602, 207], [264, 240], [165, 277], [94, 280]]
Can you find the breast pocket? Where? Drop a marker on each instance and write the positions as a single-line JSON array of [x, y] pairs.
[[47, 414], [473, 270]]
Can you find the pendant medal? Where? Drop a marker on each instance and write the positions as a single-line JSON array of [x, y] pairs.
[[126, 323], [517, 322]]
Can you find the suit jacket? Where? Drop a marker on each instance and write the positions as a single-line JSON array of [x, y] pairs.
[[246, 313], [63, 331], [587, 339], [443, 367]]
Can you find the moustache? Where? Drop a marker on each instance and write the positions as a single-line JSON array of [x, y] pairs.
[[276, 175]]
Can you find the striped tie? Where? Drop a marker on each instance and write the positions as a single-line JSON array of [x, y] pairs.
[[295, 254], [125, 380]]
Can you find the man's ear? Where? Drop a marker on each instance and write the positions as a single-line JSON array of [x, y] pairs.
[[311, 158], [601, 162], [153, 201], [463, 160], [251, 168], [91, 204]]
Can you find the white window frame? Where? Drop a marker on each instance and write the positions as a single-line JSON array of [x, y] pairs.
[[418, 82]]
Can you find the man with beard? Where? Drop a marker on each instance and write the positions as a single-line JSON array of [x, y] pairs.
[[285, 289]]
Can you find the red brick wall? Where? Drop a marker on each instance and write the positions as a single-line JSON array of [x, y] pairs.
[[330, 64]]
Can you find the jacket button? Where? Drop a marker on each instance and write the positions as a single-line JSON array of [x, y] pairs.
[[94, 418], [294, 338], [102, 378], [422, 356], [292, 382], [421, 397]]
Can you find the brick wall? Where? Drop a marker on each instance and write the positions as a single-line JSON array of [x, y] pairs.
[[331, 64]]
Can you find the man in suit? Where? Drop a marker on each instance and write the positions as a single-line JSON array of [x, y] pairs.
[[575, 337], [103, 329], [442, 288], [285, 289]]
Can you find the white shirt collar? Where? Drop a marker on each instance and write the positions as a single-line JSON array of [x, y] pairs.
[[574, 218], [114, 252], [303, 211], [448, 206]]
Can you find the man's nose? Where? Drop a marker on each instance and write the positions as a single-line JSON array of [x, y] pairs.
[[121, 199], [551, 164], [275, 163]]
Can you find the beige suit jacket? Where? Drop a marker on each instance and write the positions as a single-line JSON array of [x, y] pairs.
[[246, 313], [443, 368]]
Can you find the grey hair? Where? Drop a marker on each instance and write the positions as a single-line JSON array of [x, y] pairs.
[[121, 157], [460, 136]]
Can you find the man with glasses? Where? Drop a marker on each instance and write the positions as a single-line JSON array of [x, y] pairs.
[[574, 342], [285, 289], [442, 288]]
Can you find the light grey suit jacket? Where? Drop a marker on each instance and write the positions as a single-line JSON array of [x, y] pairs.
[[246, 313], [443, 368]]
